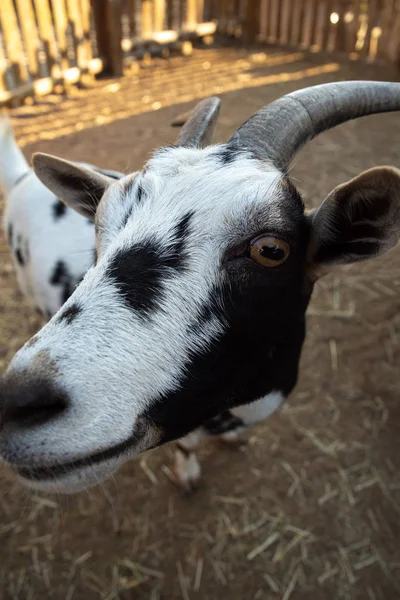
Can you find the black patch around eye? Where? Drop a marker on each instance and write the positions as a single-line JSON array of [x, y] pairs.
[[10, 232], [59, 209], [69, 314], [139, 271], [19, 257]]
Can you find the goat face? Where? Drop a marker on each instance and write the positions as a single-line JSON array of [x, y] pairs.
[[174, 323], [205, 265]]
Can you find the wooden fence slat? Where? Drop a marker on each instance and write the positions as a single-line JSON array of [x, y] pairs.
[[46, 31], [84, 9], [285, 21], [321, 25], [60, 24], [251, 25], [147, 19], [29, 34], [308, 24], [191, 15], [297, 16], [159, 15], [12, 39], [264, 17], [273, 30], [76, 25]]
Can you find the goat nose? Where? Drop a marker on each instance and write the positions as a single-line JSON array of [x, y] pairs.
[[27, 403]]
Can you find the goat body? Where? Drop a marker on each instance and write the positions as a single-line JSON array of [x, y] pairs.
[[52, 246]]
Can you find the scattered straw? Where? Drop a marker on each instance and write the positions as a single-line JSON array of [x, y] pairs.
[[272, 584], [198, 576], [182, 581], [146, 469], [219, 574], [291, 586], [327, 575], [262, 547], [334, 354], [230, 500], [70, 592], [345, 563]]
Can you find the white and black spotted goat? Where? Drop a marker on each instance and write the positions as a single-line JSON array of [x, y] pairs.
[[192, 320], [51, 245]]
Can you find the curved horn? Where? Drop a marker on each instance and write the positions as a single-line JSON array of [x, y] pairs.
[[198, 129], [279, 130]]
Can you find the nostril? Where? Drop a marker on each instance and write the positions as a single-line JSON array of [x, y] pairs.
[[32, 404]]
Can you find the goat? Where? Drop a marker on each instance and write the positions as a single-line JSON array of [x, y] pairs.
[[51, 245], [192, 321]]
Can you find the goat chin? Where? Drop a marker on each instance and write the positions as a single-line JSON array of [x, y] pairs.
[[74, 481]]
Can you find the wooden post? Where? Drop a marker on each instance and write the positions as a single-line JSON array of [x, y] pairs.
[[29, 33], [60, 23], [147, 19], [264, 17], [297, 16], [191, 15], [47, 35], [85, 17], [107, 18], [251, 26], [159, 15], [274, 22], [307, 37], [286, 15], [12, 38]]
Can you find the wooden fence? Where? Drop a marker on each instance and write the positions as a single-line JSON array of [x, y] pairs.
[[360, 29], [44, 44], [47, 44]]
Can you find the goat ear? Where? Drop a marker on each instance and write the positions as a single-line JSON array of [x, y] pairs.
[[79, 187], [359, 219]]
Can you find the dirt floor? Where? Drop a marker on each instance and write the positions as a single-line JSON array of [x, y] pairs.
[[310, 508]]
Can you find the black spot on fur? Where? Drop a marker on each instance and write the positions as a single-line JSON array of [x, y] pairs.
[[70, 313], [126, 217], [140, 193], [228, 155], [10, 232], [60, 276], [59, 209], [128, 185], [139, 271], [19, 256], [225, 421]]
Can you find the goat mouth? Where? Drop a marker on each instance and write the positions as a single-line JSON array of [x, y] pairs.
[[136, 442]]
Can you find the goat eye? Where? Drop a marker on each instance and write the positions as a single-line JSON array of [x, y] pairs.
[[269, 251]]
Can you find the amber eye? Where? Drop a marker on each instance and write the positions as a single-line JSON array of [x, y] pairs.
[[269, 251]]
